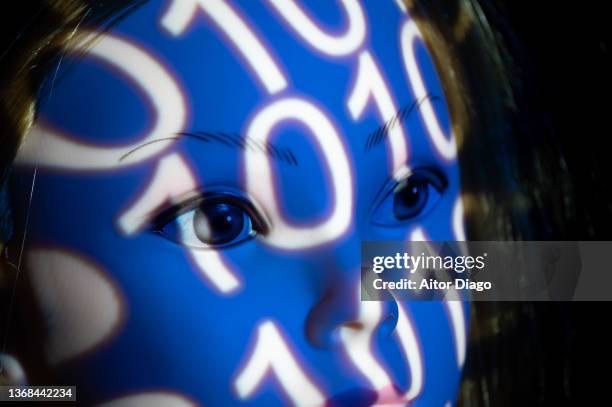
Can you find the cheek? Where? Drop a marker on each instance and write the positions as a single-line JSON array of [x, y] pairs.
[[438, 225], [154, 398], [81, 306]]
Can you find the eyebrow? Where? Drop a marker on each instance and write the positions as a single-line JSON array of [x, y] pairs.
[[380, 134], [230, 140]]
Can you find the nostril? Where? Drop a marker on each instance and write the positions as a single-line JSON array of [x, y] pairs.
[[331, 337], [356, 325], [334, 311]]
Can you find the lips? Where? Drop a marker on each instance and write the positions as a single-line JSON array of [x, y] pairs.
[[363, 397], [390, 397], [358, 397]]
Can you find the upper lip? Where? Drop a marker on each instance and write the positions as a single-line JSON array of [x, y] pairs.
[[366, 397]]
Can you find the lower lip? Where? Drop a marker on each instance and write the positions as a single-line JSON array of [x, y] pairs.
[[389, 397]]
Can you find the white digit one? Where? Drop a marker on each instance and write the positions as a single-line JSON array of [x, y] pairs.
[[458, 220], [301, 23], [453, 306], [445, 146], [402, 6], [173, 182], [260, 178], [48, 148], [407, 336], [370, 84], [272, 355], [357, 343], [182, 12]]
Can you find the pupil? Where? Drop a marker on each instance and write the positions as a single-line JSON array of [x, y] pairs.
[[218, 223], [411, 196], [410, 199]]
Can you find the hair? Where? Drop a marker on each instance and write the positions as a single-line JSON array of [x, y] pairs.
[[507, 154], [40, 31], [514, 154]]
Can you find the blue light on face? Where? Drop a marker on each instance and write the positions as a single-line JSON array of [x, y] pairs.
[[208, 200], [410, 198], [211, 222]]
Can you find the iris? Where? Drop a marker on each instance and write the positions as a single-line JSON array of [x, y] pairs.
[[210, 221], [219, 223], [410, 198]]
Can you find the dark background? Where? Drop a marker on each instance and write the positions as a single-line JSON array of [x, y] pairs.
[[563, 53], [555, 353]]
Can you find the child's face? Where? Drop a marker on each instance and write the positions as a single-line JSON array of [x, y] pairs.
[[205, 174]]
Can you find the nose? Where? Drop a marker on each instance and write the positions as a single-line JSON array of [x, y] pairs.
[[337, 312], [339, 308]]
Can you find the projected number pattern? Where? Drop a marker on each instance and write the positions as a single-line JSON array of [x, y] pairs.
[[273, 354]]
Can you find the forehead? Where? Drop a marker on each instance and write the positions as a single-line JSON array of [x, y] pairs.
[[229, 59]]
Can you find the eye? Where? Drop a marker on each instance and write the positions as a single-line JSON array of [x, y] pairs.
[[410, 198], [215, 221]]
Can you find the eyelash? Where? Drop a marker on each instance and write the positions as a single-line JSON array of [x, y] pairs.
[[424, 177], [212, 214], [189, 211]]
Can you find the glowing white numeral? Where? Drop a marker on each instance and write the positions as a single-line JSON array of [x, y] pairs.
[[419, 235], [150, 399], [406, 334], [458, 221], [454, 307], [174, 182], [457, 317], [273, 355], [260, 180], [401, 5], [47, 148], [345, 44], [214, 268], [445, 146], [171, 182], [357, 344], [82, 306], [181, 13], [370, 84]]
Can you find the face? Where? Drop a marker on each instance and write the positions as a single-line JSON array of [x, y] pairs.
[[203, 175]]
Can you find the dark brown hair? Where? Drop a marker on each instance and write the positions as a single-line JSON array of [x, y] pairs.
[[39, 31]]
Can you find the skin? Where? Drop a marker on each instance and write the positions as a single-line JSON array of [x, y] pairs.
[[139, 307]]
